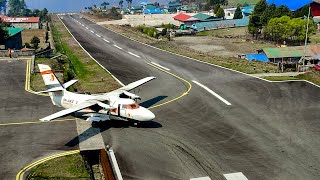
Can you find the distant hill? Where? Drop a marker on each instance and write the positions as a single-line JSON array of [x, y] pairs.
[[236, 2]]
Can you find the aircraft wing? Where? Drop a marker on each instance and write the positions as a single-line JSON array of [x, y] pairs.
[[70, 110], [136, 84]]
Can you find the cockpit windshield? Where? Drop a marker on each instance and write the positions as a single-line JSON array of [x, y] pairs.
[[130, 106]]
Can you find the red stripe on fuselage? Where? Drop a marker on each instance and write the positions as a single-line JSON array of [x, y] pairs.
[[46, 72]]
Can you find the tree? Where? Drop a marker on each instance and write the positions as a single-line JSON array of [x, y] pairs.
[[129, 2], [220, 13], [16, 7], [282, 11], [43, 13], [4, 34], [121, 3], [104, 5], [36, 13], [216, 8], [238, 13], [35, 42], [268, 14], [255, 21], [26, 13], [302, 12]]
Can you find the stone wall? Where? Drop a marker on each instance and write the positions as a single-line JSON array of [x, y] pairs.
[[27, 25]]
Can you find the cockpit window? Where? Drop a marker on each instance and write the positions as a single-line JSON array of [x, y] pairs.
[[130, 106]]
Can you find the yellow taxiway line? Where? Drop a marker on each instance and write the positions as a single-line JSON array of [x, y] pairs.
[[20, 174], [184, 94]]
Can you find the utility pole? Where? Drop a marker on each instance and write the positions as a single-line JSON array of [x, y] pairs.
[[306, 40]]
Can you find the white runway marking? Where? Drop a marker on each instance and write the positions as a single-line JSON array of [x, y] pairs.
[[106, 41], [117, 46], [201, 178], [235, 176], [160, 66], [98, 35], [134, 54], [82, 25], [87, 28], [213, 93], [91, 31]]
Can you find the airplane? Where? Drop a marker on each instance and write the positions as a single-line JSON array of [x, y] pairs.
[[115, 105]]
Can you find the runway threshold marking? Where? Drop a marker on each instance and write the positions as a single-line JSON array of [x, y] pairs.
[[117, 47], [20, 174], [134, 54], [235, 176], [213, 93], [179, 97], [160, 66]]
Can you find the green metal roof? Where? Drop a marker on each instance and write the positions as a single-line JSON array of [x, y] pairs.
[[202, 16], [14, 31], [294, 51], [151, 7]]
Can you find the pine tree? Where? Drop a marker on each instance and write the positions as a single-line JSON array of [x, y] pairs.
[[220, 13], [238, 13]]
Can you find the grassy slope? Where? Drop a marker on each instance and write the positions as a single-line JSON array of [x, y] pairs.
[[92, 78], [67, 167], [236, 2]]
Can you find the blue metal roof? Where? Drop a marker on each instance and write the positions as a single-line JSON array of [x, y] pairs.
[[257, 57], [292, 4]]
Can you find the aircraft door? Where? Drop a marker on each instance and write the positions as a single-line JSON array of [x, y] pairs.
[[122, 111]]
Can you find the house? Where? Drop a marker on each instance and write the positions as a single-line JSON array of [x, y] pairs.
[[247, 11], [204, 17], [22, 22], [229, 13], [185, 19], [173, 7], [136, 9], [15, 38]]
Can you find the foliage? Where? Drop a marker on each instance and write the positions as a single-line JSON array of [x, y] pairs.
[[302, 12], [112, 14], [287, 29], [35, 42], [220, 13], [167, 26], [129, 2], [104, 5], [16, 7], [238, 13], [27, 45], [255, 21], [121, 3], [216, 7], [4, 34], [150, 31], [47, 36]]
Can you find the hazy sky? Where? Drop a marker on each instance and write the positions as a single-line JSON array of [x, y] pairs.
[[74, 5]]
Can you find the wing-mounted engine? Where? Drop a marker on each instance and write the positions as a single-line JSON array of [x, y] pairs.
[[126, 94]]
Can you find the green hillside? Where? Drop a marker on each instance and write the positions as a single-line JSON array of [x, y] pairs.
[[236, 2]]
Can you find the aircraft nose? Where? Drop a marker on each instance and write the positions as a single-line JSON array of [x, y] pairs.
[[145, 115], [149, 116]]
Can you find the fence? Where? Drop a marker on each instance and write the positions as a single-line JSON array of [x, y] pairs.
[[16, 53]]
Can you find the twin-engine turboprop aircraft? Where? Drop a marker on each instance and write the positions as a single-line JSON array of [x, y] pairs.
[[118, 104]]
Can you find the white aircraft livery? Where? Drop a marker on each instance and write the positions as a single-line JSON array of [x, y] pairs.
[[118, 104]]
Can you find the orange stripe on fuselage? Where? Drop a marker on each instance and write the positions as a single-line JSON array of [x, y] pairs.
[[46, 72]]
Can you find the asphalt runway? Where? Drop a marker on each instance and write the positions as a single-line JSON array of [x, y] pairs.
[[23, 144], [270, 130]]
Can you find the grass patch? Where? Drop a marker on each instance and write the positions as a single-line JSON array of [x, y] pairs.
[[280, 78], [67, 167], [92, 78]]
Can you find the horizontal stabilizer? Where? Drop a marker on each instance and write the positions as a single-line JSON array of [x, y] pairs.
[[51, 90], [69, 83]]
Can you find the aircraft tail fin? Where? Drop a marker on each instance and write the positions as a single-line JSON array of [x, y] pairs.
[[50, 80]]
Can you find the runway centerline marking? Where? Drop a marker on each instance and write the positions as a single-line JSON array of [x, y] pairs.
[[106, 41], [213, 93], [98, 35], [117, 46], [134, 54], [87, 28], [91, 31], [160, 66]]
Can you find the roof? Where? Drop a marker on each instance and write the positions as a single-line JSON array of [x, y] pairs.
[[257, 57], [247, 9], [181, 17], [202, 16], [151, 7], [192, 19], [174, 5], [292, 4], [14, 31], [20, 19], [136, 7], [294, 51]]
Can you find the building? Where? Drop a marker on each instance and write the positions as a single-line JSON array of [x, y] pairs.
[[15, 38], [185, 19], [204, 17], [247, 11], [23, 22], [286, 54], [229, 13]]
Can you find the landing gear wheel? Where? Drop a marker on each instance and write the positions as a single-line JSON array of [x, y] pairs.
[[136, 124]]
